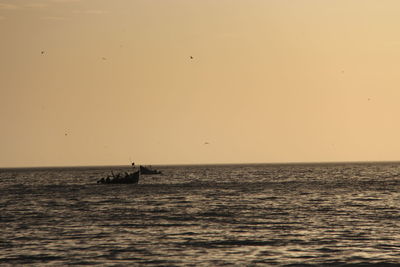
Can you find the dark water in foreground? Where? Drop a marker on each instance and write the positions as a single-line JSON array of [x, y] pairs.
[[237, 215]]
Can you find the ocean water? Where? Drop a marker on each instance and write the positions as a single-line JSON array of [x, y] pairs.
[[221, 215]]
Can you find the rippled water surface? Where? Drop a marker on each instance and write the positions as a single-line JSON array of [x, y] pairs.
[[235, 215]]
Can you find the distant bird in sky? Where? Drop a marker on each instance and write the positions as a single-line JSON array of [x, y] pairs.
[[206, 143], [191, 57], [42, 52], [103, 58]]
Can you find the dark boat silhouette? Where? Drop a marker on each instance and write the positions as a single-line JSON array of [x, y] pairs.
[[126, 178], [146, 170]]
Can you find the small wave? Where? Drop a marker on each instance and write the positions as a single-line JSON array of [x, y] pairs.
[[30, 259], [233, 243]]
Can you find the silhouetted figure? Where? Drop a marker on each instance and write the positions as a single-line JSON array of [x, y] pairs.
[[121, 178]]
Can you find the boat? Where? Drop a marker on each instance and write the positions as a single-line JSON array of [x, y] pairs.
[[147, 170], [126, 178]]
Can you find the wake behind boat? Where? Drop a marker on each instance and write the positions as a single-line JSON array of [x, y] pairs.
[[147, 170]]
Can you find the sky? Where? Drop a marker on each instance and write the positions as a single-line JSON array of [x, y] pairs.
[[101, 82]]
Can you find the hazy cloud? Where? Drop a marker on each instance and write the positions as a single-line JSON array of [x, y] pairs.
[[36, 5], [8, 6], [65, 1], [53, 18], [94, 12], [97, 12]]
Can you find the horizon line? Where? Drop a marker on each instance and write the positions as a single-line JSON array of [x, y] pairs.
[[203, 164]]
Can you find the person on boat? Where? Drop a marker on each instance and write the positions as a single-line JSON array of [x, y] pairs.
[[117, 178]]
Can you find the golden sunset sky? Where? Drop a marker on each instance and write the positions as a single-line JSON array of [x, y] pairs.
[[103, 82]]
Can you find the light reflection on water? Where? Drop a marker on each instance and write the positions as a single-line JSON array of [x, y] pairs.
[[203, 216]]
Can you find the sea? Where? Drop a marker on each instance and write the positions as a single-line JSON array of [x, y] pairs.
[[331, 214]]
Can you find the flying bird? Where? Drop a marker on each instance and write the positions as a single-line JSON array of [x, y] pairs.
[[191, 57], [42, 52], [206, 143]]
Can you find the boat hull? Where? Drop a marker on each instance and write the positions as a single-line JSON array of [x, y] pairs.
[[132, 178]]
